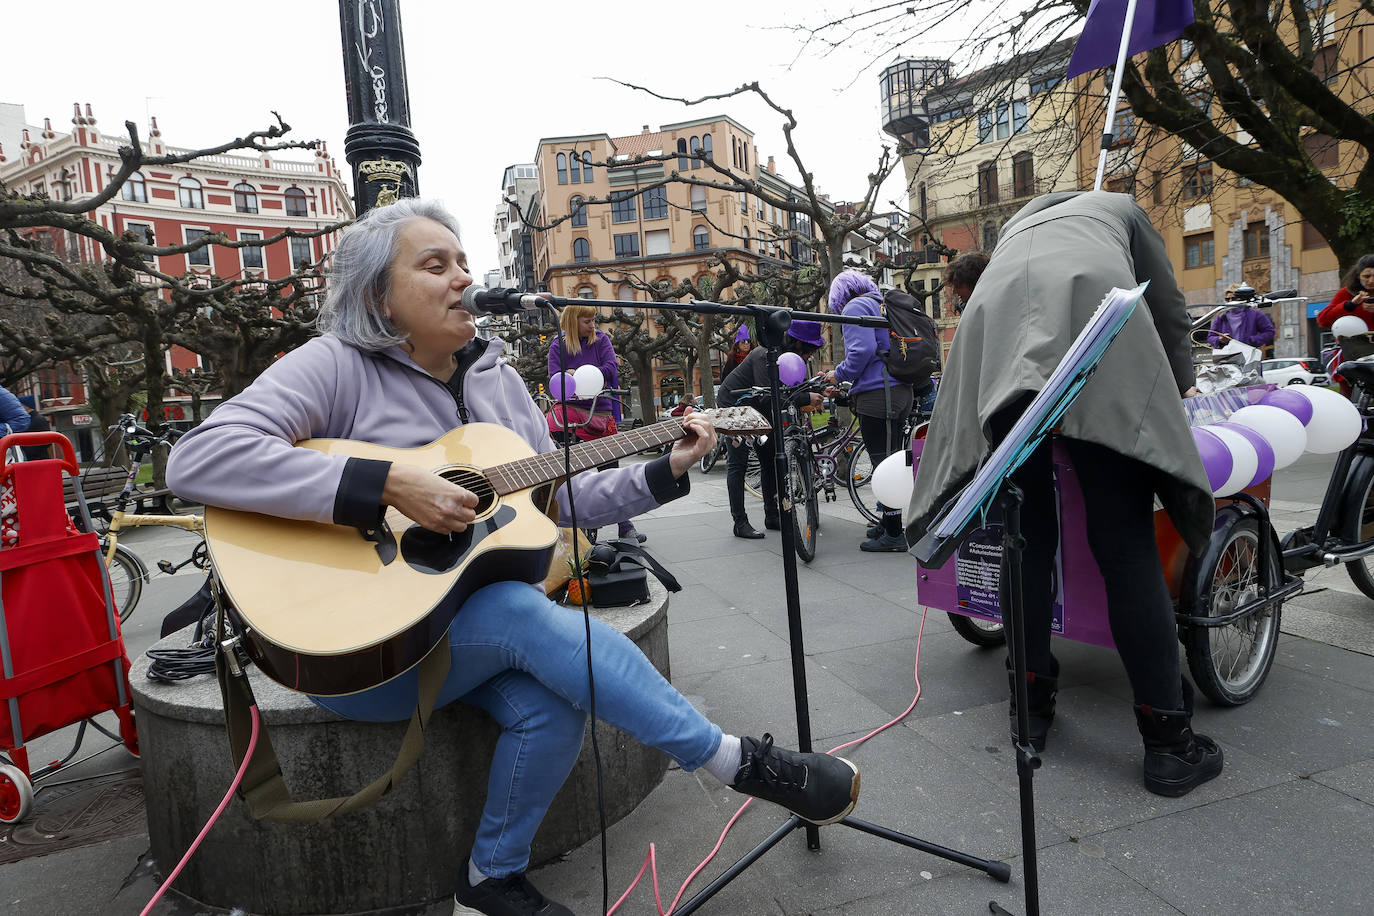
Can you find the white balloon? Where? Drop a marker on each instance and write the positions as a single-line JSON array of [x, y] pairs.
[[589, 381], [1283, 431], [1349, 326], [1244, 460], [1335, 422], [892, 480]]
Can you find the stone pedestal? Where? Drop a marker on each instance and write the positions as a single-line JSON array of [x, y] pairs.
[[403, 851]]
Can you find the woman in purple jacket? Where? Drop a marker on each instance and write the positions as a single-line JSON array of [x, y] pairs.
[[1242, 322], [882, 403], [581, 344], [399, 366]]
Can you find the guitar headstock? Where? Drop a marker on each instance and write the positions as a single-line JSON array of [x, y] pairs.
[[739, 421]]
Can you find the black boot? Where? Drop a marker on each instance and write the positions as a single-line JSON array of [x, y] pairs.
[[745, 530], [771, 520], [1176, 760], [1041, 690]]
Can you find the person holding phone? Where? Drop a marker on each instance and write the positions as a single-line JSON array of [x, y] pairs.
[[1356, 297]]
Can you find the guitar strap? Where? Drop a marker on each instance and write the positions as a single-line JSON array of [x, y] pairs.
[[263, 788]]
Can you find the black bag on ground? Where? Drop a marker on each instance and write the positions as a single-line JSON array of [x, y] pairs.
[[913, 353], [618, 572]]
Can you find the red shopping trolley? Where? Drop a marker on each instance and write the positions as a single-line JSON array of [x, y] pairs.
[[62, 658]]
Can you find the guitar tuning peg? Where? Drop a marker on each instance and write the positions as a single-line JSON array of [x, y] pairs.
[[736, 441], [763, 440]]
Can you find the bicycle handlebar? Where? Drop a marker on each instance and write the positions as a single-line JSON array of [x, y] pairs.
[[130, 428], [815, 384]]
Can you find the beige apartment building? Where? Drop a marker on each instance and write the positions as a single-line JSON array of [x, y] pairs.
[[623, 222], [975, 149]]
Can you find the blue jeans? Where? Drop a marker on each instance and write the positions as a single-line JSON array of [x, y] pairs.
[[523, 659]]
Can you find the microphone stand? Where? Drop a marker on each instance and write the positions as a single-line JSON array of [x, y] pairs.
[[771, 323]]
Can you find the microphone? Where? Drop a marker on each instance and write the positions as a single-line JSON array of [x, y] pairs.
[[478, 300]]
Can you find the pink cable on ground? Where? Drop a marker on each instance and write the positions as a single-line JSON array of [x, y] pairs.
[[238, 777], [651, 859]]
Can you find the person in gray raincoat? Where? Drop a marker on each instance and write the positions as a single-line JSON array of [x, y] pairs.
[[1127, 434]]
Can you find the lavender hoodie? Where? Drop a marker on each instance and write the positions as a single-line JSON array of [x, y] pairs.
[[243, 458], [861, 364]]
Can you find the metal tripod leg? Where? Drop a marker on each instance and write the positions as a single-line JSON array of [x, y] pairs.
[[771, 324]]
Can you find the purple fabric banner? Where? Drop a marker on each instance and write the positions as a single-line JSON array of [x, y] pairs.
[[1156, 22]]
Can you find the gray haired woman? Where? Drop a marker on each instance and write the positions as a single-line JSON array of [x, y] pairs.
[[399, 366]]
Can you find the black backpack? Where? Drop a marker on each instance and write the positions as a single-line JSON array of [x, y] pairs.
[[913, 354]]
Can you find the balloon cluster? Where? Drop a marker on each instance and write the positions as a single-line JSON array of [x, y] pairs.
[[585, 382], [1258, 440]]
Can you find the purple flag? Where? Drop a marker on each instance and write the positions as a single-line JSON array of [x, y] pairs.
[[1156, 22]]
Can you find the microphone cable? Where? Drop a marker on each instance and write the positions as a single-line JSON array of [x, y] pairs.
[[168, 665], [568, 435]]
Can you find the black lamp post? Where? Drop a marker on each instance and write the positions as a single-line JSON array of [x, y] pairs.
[[379, 144]]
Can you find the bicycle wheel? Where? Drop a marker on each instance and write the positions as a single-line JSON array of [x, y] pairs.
[[980, 632], [857, 479], [752, 479], [805, 511], [126, 580], [709, 459], [1358, 524], [1229, 663]]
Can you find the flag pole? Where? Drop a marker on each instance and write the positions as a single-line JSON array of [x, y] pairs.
[[1115, 93]]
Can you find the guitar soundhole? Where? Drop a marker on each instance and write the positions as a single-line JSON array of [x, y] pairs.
[[469, 479], [428, 552]]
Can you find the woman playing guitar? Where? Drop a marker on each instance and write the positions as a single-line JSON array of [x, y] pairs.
[[398, 366]]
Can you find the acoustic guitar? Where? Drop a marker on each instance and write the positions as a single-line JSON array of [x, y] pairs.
[[326, 611]]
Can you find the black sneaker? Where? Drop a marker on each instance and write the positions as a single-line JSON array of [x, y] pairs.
[[886, 543], [512, 895], [817, 787]]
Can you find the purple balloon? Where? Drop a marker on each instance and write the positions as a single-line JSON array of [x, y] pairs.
[[1263, 449], [1290, 401], [791, 369], [562, 386], [1216, 457]]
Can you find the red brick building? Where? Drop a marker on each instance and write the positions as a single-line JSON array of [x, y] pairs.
[[252, 196]]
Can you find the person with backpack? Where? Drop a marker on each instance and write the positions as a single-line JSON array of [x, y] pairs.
[[878, 395]]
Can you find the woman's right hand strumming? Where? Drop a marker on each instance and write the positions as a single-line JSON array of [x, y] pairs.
[[429, 500]]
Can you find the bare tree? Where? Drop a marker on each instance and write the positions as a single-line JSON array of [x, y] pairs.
[[240, 330], [814, 239], [1277, 94], [124, 297]]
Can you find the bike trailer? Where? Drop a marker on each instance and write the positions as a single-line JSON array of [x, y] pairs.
[[1227, 602], [62, 657]]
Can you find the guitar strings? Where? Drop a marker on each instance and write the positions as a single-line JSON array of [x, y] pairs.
[[536, 465]]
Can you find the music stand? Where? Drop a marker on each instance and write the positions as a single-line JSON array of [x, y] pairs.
[[771, 324], [992, 483]]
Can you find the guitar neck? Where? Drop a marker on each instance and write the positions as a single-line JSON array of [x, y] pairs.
[[531, 472]]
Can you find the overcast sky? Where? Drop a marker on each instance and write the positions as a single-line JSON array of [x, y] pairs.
[[484, 86]]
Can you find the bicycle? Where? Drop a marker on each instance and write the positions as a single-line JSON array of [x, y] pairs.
[[816, 460], [128, 573]]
